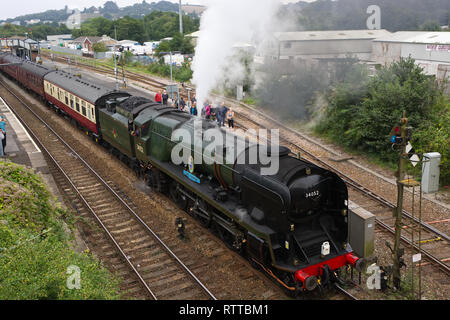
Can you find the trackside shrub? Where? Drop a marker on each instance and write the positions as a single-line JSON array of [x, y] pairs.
[[361, 117], [35, 248]]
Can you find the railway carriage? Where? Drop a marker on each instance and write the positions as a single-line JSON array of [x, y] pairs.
[[292, 224], [78, 98], [30, 74], [11, 70]]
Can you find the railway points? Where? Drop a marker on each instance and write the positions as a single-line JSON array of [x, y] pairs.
[[444, 259], [267, 291]]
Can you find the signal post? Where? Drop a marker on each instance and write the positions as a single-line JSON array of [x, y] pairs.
[[397, 253]]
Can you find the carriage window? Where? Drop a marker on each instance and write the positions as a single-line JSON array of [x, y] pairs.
[[77, 104], [83, 107], [71, 101], [67, 98]]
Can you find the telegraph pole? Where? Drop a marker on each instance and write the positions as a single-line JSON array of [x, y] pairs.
[[181, 18], [115, 59], [398, 211]]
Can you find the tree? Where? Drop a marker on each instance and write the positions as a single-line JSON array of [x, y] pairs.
[[99, 47], [164, 46], [181, 43], [155, 26], [129, 28], [362, 119], [430, 25], [110, 7]]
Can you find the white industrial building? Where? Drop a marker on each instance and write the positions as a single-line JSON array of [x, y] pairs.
[[430, 50], [59, 39], [309, 45]]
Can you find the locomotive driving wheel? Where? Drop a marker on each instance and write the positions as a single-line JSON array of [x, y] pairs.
[[202, 213], [177, 196]]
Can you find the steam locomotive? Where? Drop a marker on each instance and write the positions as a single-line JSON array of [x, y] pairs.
[[292, 224]]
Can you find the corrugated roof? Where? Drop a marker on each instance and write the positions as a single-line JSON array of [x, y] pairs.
[[30, 66], [417, 37], [84, 89], [331, 35], [92, 39]]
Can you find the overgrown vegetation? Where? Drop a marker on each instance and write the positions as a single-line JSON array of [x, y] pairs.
[[155, 26], [399, 15], [159, 68], [178, 43], [38, 31], [35, 251], [362, 112], [182, 74]]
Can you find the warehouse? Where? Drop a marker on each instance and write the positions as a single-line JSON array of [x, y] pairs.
[[431, 50], [323, 44]]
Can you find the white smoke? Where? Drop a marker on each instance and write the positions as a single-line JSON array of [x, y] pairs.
[[224, 24]]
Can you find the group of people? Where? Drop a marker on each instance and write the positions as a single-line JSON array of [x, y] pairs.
[[220, 114], [2, 135]]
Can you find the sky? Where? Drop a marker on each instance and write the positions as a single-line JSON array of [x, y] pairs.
[[35, 6]]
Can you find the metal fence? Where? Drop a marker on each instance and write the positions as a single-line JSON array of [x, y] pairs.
[[145, 60], [64, 50]]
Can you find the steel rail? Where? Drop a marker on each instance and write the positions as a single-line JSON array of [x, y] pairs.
[[345, 292], [348, 179], [206, 290], [345, 177], [372, 195]]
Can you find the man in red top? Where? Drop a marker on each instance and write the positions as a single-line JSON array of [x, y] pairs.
[[158, 97]]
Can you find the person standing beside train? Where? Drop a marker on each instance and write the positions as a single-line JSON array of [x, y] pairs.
[[165, 97], [182, 104], [2, 136], [208, 111], [2, 154], [223, 114], [230, 118], [194, 109], [3, 129], [158, 98]]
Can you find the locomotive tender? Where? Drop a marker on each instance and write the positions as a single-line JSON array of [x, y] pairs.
[[292, 224]]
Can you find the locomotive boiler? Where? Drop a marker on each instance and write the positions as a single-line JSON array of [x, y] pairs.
[[291, 223]]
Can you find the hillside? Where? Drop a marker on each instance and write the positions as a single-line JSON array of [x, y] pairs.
[[109, 10], [395, 15]]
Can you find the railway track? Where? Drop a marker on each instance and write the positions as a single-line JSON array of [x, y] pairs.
[[435, 248], [434, 251], [110, 72], [147, 263]]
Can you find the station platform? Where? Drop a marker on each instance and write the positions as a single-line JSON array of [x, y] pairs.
[[21, 149]]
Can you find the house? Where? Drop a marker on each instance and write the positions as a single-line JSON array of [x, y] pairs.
[[86, 42]]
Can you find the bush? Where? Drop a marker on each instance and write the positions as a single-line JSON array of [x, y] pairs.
[[434, 135], [362, 116], [35, 249], [183, 73]]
